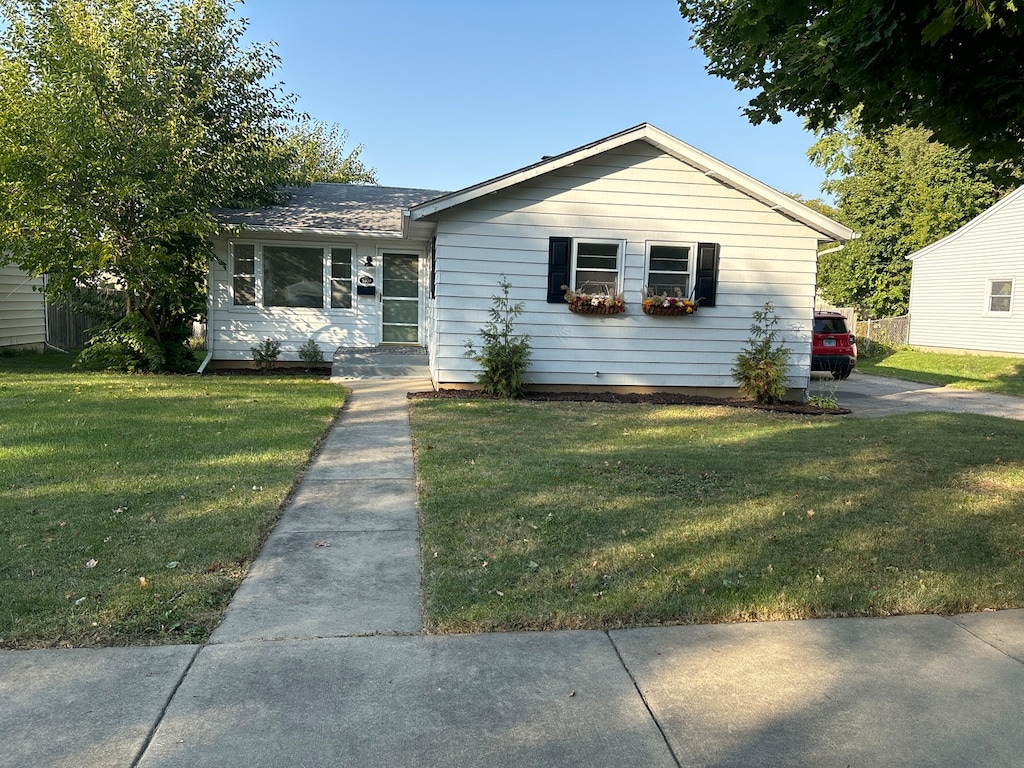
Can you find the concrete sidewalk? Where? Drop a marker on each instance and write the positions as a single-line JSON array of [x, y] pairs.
[[320, 661]]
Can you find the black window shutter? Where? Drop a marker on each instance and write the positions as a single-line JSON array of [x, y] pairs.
[[706, 284], [559, 256], [433, 267]]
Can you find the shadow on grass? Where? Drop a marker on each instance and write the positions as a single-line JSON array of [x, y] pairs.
[[695, 515]]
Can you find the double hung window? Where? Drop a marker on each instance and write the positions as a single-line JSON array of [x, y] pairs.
[[1000, 296], [596, 266], [243, 280], [669, 269]]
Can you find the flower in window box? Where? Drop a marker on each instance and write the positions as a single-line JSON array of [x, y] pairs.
[[606, 302], [663, 304]]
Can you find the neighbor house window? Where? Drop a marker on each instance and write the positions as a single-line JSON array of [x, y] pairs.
[[669, 269], [1000, 295], [293, 276], [243, 274], [341, 278], [596, 266]]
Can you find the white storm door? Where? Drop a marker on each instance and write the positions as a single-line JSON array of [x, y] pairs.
[[400, 298]]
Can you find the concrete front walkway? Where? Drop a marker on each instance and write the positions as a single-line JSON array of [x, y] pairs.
[[321, 661]]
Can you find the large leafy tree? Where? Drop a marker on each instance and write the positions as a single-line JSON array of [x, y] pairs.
[[953, 66], [319, 152], [901, 191], [122, 124]]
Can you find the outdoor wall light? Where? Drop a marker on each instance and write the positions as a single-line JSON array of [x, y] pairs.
[[368, 262]]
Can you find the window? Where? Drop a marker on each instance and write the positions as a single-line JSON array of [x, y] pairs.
[[243, 275], [341, 278], [293, 276], [596, 266], [669, 269], [1000, 295]]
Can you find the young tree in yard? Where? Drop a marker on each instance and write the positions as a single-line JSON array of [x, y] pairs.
[[952, 66], [900, 191], [122, 124]]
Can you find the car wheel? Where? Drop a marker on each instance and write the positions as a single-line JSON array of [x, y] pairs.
[[843, 372]]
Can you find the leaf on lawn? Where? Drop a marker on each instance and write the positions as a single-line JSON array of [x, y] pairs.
[[810, 513], [143, 582], [79, 601], [173, 564], [91, 563], [532, 565]]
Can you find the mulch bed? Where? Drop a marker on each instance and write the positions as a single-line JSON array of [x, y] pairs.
[[657, 398]]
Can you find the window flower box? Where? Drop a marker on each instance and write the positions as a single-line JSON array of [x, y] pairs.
[[668, 305], [594, 303], [672, 307]]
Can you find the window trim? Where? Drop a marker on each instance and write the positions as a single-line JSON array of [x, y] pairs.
[[326, 261], [691, 263], [989, 296], [620, 249]]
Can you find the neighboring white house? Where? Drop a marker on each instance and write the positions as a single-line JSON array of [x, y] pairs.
[[965, 290], [366, 266], [22, 310]]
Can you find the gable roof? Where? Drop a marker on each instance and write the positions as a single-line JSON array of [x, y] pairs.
[[716, 169], [333, 209], [977, 221]]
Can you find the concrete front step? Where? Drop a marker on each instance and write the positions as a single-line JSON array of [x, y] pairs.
[[380, 363]]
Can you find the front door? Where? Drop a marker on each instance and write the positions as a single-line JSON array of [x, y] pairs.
[[400, 298]]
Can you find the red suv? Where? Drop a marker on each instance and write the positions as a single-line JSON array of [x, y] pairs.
[[833, 347]]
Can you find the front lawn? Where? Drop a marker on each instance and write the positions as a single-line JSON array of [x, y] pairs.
[[555, 515], [131, 506], [1000, 375]]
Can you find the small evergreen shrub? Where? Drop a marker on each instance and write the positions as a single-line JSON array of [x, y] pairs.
[[760, 367], [265, 355], [311, 354], [503, 355]]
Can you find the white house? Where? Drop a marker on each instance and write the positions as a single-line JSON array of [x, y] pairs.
[[22, 310], [965, 289], [367, 266]]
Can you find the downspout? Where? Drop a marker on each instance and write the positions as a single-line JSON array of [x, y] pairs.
[[202, 365]]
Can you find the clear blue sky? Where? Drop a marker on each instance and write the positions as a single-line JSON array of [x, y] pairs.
[[447, 93]]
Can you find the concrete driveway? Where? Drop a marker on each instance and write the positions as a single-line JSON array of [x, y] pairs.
[[873, 396]]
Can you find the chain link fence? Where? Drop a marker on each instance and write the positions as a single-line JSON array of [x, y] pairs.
[[888, 331]]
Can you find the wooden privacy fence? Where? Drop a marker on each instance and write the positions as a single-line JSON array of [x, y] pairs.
[[66, 328]]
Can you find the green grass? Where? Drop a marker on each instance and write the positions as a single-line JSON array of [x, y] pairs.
[[1000, 375], [554, 515], [131, 506]]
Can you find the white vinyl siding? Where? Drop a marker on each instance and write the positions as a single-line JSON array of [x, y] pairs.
[[952, 306], [22, 309], [633, 195]]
